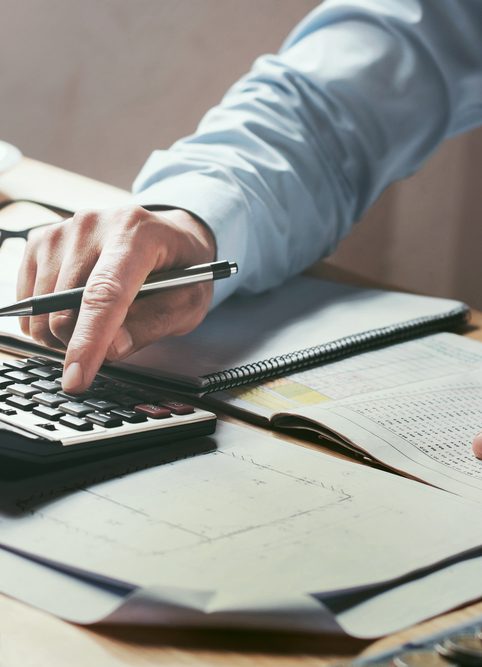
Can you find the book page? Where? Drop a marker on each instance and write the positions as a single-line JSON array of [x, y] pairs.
[[434, 356], [424, 429]]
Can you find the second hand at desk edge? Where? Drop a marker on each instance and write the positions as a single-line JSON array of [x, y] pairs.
[[69, 299]]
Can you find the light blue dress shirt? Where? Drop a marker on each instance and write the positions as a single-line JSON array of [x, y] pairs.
[[361, 93]]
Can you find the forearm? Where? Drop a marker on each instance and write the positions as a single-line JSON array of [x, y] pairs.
[[359, 96]]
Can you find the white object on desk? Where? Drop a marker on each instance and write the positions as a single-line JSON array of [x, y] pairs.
[[257, 533], [414, 407], [9, 156], [83, 601]]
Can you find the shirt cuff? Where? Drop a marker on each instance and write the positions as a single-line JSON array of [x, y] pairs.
[[217, 204]]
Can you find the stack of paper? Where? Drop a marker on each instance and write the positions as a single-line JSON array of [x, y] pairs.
[[258, 533]]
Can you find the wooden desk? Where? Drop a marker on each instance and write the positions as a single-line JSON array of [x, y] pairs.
[[31, 638]]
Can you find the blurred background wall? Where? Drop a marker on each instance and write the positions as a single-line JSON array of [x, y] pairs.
[[94, 86]]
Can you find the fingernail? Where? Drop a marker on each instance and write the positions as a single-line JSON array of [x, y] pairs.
[[122, 343], [73, 377]]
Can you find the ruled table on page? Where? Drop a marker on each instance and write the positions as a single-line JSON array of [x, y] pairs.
[[425, 430]]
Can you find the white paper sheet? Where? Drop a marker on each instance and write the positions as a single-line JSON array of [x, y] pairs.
[[85, 602], [258, 520], [59, 593], [414, 602]]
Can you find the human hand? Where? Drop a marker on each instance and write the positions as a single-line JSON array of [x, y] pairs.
[[477, 445], [112, 252]]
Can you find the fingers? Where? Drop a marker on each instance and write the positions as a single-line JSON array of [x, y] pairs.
[[26, 282], [79, 258], [125, 261], [477, 445], [112, 253], [37, 275], [171, 313]]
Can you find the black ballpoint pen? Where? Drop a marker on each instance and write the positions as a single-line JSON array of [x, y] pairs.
[[72, 298]]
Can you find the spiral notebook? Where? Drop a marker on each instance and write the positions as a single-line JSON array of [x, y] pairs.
[[306, 322]]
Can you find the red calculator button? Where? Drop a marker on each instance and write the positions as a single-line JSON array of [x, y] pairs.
[[177, 408], [153, 411]]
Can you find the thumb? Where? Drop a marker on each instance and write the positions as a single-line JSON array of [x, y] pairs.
[[122, 345], [153, 317]]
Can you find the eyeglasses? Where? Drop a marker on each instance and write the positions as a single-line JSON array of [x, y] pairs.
[[23, 233]]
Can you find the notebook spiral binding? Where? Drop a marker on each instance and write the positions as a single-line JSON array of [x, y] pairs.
[[332, 351]]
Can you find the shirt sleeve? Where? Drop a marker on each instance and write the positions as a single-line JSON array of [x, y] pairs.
[[361, 93]]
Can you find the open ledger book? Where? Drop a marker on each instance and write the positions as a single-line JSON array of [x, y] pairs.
[[414, 407]]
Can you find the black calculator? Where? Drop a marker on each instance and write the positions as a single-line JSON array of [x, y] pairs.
[[50, 440]]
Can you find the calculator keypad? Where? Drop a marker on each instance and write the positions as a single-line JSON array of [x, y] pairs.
[[31, 398]]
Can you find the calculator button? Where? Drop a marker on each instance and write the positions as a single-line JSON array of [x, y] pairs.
[[25, 390], [19, 376], [115, 384], [177, 408], [50, 386], [127, 401], [130, 416], [99, 393], [18, 364], [40, 361], [153, 411], [100, 404], [46, 398], [76, 409], [101, 419], [98, 382], [20, 403], [126, 390], [76, 423], [74, 397], [99, 389], [47, 413], [46, 372], [7, 411]]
